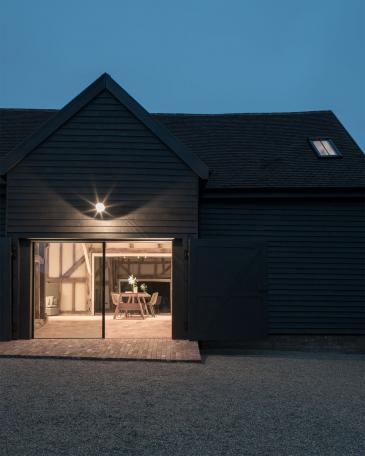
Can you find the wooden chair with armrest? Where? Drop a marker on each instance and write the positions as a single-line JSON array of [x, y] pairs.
[[116, 301], [152, 303]]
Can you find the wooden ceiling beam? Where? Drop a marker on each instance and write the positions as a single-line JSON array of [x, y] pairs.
[[142, 252]]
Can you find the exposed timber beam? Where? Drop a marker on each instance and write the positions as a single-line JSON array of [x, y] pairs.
[[87, 260], [73, 268]]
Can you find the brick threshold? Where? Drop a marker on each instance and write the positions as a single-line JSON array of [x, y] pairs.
[[165, 350]]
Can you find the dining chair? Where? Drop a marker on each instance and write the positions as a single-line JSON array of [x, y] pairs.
[[127, 307], [116, 302], [152, 303], [158, 304]]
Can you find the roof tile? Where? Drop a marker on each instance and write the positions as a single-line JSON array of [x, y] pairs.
[[241, 150]]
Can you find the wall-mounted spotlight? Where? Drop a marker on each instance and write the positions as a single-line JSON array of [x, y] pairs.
[[99, 207]]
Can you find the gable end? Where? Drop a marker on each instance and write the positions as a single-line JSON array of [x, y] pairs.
[[105, 82]]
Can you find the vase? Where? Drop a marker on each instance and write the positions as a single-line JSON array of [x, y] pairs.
[[135, 289]]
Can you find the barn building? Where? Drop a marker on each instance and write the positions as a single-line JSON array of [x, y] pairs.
[[237, 225]]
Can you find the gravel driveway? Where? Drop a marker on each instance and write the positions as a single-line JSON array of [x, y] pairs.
[[255, 404]]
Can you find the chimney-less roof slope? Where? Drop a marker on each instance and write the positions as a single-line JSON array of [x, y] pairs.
[[241, 150]]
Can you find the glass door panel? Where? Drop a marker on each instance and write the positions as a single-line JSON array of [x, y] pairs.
[[142, 310], [67, 290]]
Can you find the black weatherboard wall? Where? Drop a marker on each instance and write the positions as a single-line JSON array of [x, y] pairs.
[[102, 151], [2, 207], [267, 185], [315, 258], [300, 218]]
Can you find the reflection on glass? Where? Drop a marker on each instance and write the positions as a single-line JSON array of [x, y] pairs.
[[329, 148], [320, 148]]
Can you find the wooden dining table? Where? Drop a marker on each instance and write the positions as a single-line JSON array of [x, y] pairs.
[[129, 300]]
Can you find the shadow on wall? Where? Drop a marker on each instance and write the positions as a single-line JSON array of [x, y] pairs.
[[76, 202]]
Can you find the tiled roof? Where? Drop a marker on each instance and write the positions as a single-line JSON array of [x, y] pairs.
[[241, 150], [269, 150], [17, 124]]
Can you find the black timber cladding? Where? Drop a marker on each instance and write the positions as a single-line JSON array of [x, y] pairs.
[[315, 244], [5, 288], [315, 258], [104, 83], [241, 150], [2, 207], [227, 290], [102, 151]]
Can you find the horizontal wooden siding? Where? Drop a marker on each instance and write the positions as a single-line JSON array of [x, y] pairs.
[[102, 152], [2, 208], [315, 254]]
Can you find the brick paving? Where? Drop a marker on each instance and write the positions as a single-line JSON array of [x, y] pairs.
[[89, 327], [113, 349]]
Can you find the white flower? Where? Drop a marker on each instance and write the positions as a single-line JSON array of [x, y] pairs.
[[132, 280]]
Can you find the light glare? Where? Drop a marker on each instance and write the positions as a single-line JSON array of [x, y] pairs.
[[99, 207]]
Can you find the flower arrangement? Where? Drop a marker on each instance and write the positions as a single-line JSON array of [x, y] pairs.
[[144, 288], [132, 280]]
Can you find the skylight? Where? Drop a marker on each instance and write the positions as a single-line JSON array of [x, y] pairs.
[[325, 148]]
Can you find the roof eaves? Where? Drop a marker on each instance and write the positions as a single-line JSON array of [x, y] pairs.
[[104, 82], [52, 124], [162, 132], [337, 120]]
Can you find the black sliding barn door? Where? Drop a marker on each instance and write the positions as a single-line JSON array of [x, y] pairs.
[[5, 288], [227, 288]]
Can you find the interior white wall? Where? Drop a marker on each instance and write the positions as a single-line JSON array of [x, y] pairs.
[[65, 256]]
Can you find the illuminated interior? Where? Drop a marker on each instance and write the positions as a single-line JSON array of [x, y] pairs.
[[68, 289]]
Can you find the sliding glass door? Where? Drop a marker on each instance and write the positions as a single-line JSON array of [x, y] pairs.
[[138, 289], [65, 288], [83, 289]]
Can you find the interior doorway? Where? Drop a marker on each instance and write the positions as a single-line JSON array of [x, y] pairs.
[[119, 289]]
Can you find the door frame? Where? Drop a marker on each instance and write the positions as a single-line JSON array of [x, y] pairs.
[[25, 282], [5, 288]]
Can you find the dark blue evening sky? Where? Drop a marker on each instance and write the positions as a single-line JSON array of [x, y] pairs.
[[189, 55]]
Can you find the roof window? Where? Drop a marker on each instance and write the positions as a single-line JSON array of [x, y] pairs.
[[325, 148]]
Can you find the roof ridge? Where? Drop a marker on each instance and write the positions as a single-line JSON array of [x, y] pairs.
[[283, 113], [270, 113], [28, 109], [105, 82]]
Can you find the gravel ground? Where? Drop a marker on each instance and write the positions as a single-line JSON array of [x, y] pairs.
[[255, 404]]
